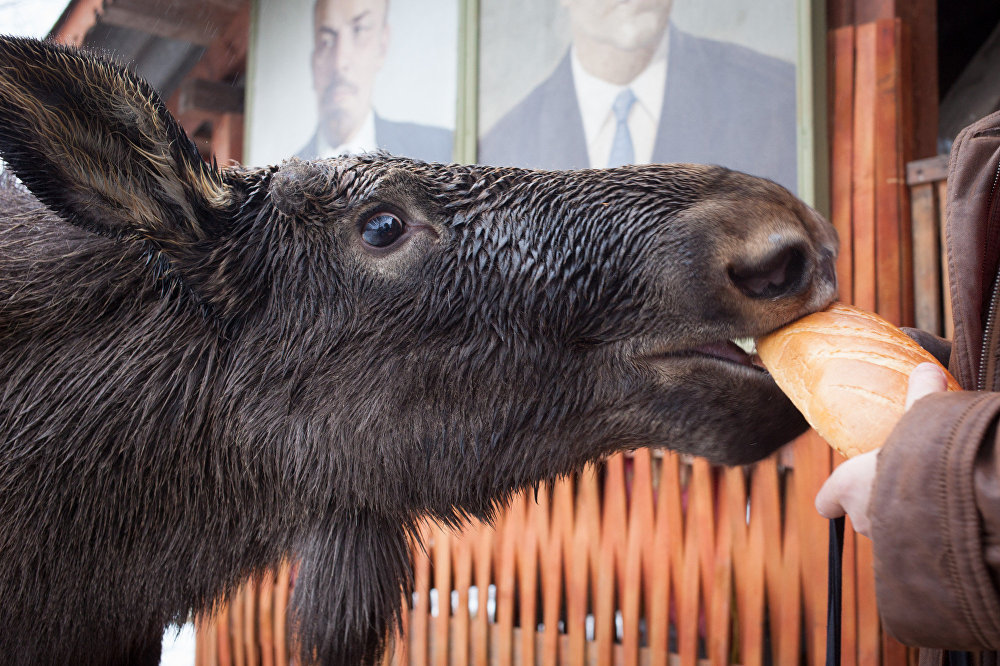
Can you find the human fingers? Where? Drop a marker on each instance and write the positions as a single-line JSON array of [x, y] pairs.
[[925, 379], [848, 491]]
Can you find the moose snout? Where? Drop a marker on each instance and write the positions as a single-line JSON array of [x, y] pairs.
[[779, 272], [787, 267]]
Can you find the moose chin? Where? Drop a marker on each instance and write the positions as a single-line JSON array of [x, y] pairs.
[[205, 371]]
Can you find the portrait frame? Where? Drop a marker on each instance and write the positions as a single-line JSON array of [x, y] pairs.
[[416, 85], [467, 96], [806, 46]]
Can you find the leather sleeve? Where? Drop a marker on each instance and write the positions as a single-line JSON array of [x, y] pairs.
[[939, 347], [935, 513]]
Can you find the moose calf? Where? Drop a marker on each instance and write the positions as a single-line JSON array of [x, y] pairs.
[[203, 371]]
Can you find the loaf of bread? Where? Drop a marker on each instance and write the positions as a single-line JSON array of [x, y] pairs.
[[847, 371]]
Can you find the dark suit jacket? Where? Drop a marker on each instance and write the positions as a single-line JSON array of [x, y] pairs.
[[423, 142], [722, 104]]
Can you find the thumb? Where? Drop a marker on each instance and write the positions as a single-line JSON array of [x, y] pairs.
[[925, 379]]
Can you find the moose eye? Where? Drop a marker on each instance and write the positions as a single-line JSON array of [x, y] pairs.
[[382, 230]]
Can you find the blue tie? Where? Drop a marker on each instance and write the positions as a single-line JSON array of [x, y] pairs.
[[622, 151]]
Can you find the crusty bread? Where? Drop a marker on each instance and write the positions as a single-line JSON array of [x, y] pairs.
[[847, 371]]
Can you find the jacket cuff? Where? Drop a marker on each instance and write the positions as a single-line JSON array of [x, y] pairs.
[[933, 584]]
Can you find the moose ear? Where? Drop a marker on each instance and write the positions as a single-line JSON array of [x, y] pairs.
[[96, 144]]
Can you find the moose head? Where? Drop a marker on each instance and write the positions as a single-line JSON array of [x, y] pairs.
[[203, 371]]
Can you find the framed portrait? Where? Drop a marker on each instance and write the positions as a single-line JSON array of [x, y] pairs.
[[328, 77], [593, 83]]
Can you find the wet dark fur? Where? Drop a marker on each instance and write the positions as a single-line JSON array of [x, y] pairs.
[[203, 372]]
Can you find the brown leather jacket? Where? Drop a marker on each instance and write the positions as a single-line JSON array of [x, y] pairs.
[[936, 504]]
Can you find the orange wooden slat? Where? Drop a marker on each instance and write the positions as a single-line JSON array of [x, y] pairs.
[[908, 106], [509, 535], [236, 624], [281, 595], [610, 558], [788, 647], [659, 597], [718, 635], [420, 614], [736, 499], [863, 187], [765, 494], [702, 510], [672, 509], [889, 174], [483, 556], [554, 544], [527, 578], [614, 513], [581, 569], [649, 467], [250, 620], [442, 583], [842, 152], [265, 619], [748, 543], [638, 532], [894, 653], [812, 467], [869, 638], [688, 608], [400, 642], [462, 554], [205, 642], [849, 595], [222, 637]]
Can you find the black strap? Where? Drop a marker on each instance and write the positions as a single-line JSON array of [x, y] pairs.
[[959, 658], [833, 598], [834, 584]]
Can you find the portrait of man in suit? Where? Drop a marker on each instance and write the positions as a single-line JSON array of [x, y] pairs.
[[350, 42], [634, 88]]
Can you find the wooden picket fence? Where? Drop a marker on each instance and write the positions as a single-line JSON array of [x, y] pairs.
[[642, 560], [650, 558]]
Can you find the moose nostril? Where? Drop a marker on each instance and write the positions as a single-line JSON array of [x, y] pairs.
[[778, 275]]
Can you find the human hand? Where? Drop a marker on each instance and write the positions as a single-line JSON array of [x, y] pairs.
[[849, 488]]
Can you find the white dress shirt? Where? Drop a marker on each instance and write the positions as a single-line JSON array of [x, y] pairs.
[[363, 141], [596, 98]]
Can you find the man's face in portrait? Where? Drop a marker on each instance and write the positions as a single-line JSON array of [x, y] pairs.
[[351, 38], [622, 24]]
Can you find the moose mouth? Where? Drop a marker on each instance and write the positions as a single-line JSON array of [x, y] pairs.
[[742, 351], [738, 351]]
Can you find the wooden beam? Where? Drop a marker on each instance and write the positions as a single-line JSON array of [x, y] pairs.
[[976, 93], [866, 11], [927, 170], [225, 59], [839, 14], [185, 20], [78, 18], [213, 96], [919, 18], [226, 56], [159, 25]]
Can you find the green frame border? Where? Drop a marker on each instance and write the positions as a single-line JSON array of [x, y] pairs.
[[812, 104], [467, 90]]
